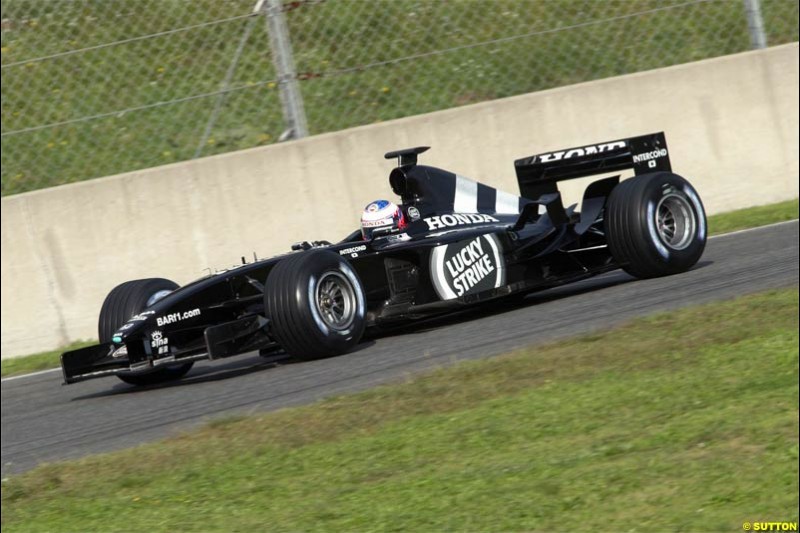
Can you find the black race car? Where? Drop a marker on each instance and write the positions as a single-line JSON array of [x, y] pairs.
[[465, 243]]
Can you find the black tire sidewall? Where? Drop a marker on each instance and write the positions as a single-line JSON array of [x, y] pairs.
[[290, 303], [337, 339], [662, 185], [632, 235]]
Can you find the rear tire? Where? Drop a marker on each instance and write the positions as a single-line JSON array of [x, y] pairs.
[[316, 305], [125, 301], [655, 225]]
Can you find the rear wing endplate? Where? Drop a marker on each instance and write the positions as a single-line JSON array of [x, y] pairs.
[[538, 174]]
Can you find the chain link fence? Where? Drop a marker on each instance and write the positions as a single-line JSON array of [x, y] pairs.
[[97, 87]]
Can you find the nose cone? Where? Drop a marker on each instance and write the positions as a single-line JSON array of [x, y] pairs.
[[135, 325]]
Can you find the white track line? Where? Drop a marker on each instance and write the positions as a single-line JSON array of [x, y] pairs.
[[40, 372], [748, 230], [785, 222]]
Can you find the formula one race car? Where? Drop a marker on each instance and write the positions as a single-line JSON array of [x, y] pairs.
[[464, 243]]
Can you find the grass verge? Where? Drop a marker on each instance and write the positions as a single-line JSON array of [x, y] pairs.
[[753, 217], [680, 421], [26, 364], [722, 223]]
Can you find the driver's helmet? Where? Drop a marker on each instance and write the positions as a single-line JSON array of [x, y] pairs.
[[381, 215]]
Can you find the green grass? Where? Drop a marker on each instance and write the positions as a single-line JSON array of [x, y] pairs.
[[327, 38], [722, 223], [26, 364], [685, 421], [752, 217]]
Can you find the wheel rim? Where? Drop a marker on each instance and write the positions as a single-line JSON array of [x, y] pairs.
[[675, 221], [336, 300]]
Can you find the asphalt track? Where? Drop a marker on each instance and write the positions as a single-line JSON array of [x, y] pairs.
[[43, 421]]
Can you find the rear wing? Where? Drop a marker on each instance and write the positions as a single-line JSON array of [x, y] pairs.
[[538, 174]]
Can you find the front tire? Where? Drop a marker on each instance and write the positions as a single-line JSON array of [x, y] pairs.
[[316, 305], [125, 301], [655, 225]]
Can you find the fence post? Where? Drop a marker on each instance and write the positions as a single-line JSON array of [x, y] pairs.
[[294, 113], [226, 84], [755, 24]]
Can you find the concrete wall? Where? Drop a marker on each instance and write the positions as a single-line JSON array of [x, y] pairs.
[[731, 125]]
